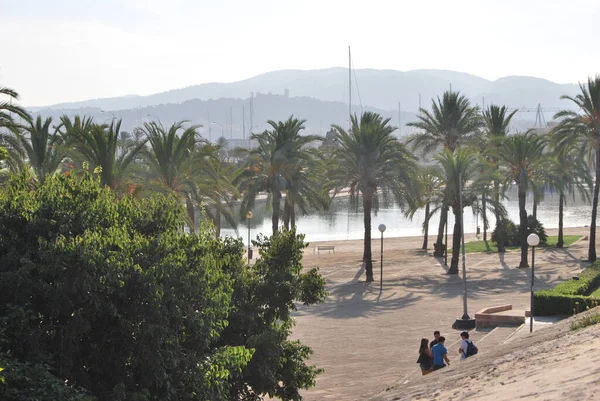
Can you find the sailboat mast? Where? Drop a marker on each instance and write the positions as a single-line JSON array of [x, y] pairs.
[[349, 88]]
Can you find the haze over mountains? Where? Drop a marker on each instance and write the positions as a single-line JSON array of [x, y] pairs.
[[320, 96]]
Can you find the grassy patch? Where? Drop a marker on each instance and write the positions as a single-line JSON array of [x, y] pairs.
[[596, 294], [481, 246], [591, 319]]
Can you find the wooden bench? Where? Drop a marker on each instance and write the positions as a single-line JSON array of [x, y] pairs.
[[327, 248]]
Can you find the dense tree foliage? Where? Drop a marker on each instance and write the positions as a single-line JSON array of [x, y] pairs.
[[110, 296]]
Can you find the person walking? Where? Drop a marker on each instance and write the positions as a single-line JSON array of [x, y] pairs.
[[425, 360], [440, 354], [466, 348]]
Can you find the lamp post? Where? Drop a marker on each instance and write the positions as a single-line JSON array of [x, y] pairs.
[[532, 240], [249, 217], [220, 125], [381, 230], [110, 112]]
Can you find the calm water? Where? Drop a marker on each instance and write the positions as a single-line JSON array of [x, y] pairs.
[[341, 222]]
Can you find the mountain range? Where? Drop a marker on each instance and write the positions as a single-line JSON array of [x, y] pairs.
[[321, 96]]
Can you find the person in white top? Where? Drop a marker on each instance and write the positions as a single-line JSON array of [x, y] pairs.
[[462, 349]]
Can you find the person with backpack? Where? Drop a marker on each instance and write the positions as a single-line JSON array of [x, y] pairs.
[[467, 347]]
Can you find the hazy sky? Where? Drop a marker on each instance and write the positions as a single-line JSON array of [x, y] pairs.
[[65, 50]]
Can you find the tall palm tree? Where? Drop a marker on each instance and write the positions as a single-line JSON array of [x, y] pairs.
[[572, 173], [496, 121], [462, 180], [101, 146], [170, 157], [520, 156], [371, 159], [272, 163], [9, 109], [452, 122], [305, 189], [583, 127], [431, 196]]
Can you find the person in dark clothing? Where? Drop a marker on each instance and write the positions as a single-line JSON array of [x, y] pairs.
[[425, 360], [436, 336]]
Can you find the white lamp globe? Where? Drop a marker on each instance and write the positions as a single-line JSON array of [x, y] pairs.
[[381, 228], [533, 239]]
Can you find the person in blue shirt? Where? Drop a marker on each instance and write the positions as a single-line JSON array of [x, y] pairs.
[[440, 354]]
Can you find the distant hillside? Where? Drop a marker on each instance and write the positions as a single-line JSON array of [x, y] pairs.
[[319, 114], [381, 89]]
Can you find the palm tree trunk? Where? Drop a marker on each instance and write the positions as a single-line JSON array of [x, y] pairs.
[[286, 213], [523, 226], [592, 246], [217, 223], [367, 258], [293, 215], [499, 223], [561, 200], [189, 206], [276, 202], [426, 230], [456, 236], [484, 217], [535, 202], [438, 247]]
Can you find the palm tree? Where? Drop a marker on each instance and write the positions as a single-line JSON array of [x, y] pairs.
[[451, 123], [371, 159], [583, 127], [431, 196], [572, 174], [520, 156], [305, 189], [171, 158], [39, 144], [461, 168], [8, 110], [496, 127], [102, 147], [271, 165]]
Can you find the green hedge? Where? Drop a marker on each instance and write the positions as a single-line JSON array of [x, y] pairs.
[[569, 297], [549, 302], [588, 281]]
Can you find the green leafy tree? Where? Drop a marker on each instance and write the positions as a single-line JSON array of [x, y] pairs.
[[114, 298], [370, 160], [582, 127], [520, 157], [452, 122]]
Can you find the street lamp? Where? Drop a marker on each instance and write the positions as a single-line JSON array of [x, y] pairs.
[[381, 230], [249, 217], [532, 240], [110, 112]]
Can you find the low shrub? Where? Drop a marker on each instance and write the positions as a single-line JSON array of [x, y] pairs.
[[589, 320], [512, 236]]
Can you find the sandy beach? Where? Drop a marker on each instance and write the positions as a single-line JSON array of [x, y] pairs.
[[367, 339]]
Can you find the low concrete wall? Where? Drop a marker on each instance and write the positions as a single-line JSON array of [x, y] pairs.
[[489, 317]]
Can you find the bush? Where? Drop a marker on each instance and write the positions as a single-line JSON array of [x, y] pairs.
[[512, 236]]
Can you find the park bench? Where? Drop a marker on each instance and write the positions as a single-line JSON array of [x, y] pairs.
[[328, 248]]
